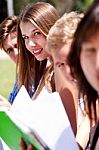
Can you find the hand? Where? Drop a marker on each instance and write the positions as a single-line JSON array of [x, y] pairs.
[[24, 147], [4, 102]]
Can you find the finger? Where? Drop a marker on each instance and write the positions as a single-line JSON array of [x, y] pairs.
[[30, 147], [5, 103], [23, 145]]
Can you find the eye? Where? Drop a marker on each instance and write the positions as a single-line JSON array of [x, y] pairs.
[[91, 50], [37, 33], [25, 37], [60, 65], [9, 50]]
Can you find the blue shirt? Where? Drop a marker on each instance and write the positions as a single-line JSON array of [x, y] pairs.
[[16, 89]]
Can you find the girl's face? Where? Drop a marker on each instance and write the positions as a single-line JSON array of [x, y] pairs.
[[89, 59], [59, 56], [10, 45], [35, 41]]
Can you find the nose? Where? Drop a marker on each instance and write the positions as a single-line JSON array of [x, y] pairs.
[[31, 43], [13, 42], [97, 61]]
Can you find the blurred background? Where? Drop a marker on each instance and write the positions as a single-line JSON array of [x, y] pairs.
[[10, 7], [13, 7]]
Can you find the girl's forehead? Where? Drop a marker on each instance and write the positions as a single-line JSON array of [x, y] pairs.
[[30, 26], [27, 27], [38, 27], [26, 24], [92, 42], [91, 31], [92, 37]]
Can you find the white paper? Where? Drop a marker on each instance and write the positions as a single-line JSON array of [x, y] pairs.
[[47, 116], [3, 145]]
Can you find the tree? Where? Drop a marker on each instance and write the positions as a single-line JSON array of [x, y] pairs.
[[82, 5], [20, 4], [61, 5]]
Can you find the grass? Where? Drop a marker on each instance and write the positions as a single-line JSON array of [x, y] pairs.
[[7, 77]]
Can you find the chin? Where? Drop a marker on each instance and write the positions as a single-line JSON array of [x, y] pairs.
[[96, 88], [40, 58]]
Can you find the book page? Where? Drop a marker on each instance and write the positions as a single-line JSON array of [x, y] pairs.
[[46, 115], [3, 145]]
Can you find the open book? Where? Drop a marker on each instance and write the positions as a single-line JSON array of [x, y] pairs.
[[42, 122]]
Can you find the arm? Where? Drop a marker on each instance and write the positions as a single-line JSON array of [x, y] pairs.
[[68, 92], [4, 102]]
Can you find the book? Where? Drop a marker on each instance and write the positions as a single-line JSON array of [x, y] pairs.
[[42, 122], [3, 145]]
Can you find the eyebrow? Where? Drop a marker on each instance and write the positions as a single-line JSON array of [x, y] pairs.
[[35, 29], [32, 31], [10, 48], [87, 45]]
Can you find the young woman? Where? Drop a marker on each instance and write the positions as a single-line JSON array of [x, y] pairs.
[[83, 60], [34, 71], [8, 43], [33, 26], [58, 46]]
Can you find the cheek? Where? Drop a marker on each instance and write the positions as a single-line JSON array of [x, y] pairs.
[[12, 55], [42, 42], [28, 47], [26, 44], [87, 68], [5, 43], [65, 70], [83, 60]]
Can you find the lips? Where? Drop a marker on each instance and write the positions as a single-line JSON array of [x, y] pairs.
[[37, 51]]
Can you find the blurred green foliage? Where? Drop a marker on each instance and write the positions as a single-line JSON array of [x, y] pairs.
[[61, 5], [7, 77], [20, 4], [82, 5]]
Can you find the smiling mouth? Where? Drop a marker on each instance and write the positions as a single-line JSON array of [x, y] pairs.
[[38, 51]]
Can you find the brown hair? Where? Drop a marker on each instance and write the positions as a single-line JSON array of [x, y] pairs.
[[43, 16], [7, 26], [87, 28]]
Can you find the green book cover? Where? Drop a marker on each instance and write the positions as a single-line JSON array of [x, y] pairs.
[[42, 122], [12, 134]]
